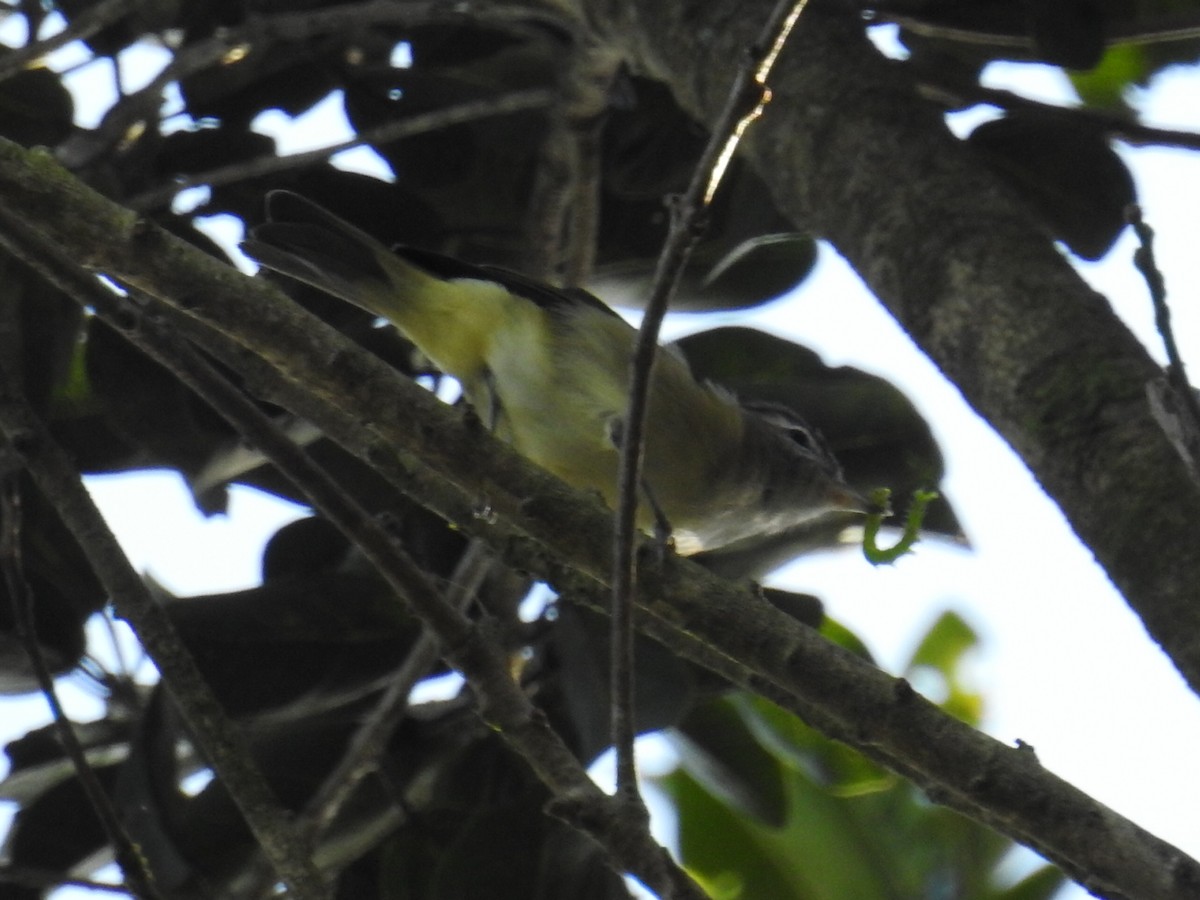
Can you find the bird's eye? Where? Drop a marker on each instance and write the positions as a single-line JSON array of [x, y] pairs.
[[803, 438], [796, 430]]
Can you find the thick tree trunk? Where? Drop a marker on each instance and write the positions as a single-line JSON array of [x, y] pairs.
[[856, 156]]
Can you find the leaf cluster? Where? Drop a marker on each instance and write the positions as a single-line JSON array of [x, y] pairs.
[[504, 137]]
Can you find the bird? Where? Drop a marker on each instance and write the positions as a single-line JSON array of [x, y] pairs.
[[548, 369]]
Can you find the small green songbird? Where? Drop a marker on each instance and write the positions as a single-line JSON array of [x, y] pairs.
[[548, 369]]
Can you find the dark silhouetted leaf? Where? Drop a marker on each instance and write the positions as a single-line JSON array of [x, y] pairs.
[[54, 833], [1068, 33], [36, 109], [64, 593], [749, 254], [665, 684], [1066, 171], [875, 432], [200, 150]]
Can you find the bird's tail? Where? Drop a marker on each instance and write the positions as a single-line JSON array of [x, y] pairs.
[[305, 241]]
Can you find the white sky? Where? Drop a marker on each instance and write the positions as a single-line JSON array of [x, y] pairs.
[[1064, 665]]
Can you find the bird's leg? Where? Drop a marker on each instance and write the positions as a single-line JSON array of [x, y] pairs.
[[662, 525], [492, 416]]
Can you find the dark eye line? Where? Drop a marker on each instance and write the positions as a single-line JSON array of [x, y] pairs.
[[802, 436], [797, 430]]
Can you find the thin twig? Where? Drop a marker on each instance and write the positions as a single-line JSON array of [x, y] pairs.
[[261, 32], [80, 28], [48, 879], [729, 630], [133, 865], [369, 742], [466, 645], [1143, 259], [1181, 388], [474, 110], [1143, 29], [747, 98], [953, 91], [54, 474]]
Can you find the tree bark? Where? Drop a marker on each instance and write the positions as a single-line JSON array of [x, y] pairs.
[[855, 155], [545, 527]]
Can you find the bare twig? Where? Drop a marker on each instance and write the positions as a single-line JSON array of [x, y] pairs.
[[133, 865], [959, 91], [542, 527], [465, 645], [368, 743], [80, 28], [1143, 258], [747, 97], [502, 105], [52, 471], [47, 879], [1185, 432], [1143, 29]]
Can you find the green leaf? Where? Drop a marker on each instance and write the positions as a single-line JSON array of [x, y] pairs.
[[849, 828], [720, 751], [1105, 85], [845, 638], [806, 861], [836, 767], [885, 843], [941, 652], [945, 644]]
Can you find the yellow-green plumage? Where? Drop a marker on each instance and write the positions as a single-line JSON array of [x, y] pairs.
[[553, 366]]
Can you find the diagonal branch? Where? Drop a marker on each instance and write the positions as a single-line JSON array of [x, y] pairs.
[[854, 154], [80, 28], [51, 469], [133, 866], [544, 527], [422, 123], [467, 645]]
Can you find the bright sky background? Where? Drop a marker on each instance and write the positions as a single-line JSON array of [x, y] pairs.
[[1064, 665]]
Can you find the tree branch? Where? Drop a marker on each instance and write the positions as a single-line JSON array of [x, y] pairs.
[[465, 644], [960, 92], [543, 526], [853, 154], [422, 123], [131, 862], [50, 468], [80, 28], [746, 97]]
